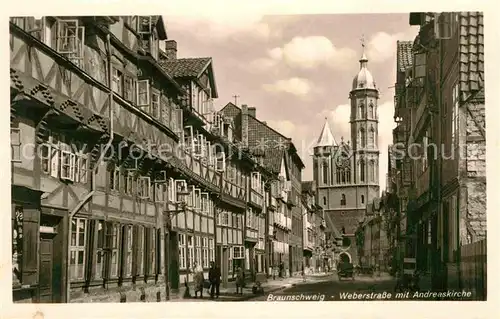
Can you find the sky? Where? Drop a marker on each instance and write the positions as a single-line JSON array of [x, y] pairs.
[[298, 69]]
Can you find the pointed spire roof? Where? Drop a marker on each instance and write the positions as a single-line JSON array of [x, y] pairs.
[[326, 137]]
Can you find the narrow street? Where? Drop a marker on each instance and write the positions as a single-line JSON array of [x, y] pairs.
[[332, 289]]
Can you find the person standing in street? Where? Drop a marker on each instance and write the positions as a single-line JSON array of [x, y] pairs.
[[240, 281], [214, 278], [198, 280]]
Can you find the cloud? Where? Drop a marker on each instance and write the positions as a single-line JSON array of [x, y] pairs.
[[382, 45], [219, 26], [297, 86], [310, 52]]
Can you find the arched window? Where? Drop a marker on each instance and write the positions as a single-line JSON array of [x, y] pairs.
[[362, 137], [372, 170], [372, 110], [361, 110], [325, 172], [324, 200], [371, 142], [348, 175], [339, 173], [342, 200], [362, 170], [362, 199]]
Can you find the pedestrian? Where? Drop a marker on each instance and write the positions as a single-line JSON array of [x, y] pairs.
[[303, 273], [198, 280], [240, 280], [282, 266], [214, 278]]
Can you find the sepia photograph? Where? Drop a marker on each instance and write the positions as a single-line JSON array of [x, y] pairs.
[[293, 157]]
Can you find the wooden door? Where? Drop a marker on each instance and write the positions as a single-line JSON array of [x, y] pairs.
[[173, 266], [46, 280]]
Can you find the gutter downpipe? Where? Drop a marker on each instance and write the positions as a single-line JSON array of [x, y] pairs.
[[94, 170]]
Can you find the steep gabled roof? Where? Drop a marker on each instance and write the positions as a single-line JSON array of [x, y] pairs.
[[404, 55], [262, 139], [186, 67], [191, 68]]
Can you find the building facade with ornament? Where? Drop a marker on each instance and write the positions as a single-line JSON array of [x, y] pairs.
[[346, 174]]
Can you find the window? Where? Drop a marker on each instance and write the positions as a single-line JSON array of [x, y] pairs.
[[362, 199], [238, 252], [165, 111], [361, 110], [362, 170], [128, 182], [116, 81], [324, 200], [205, 252], [372, 110], [50, 155], [371, 141], [325, 172], [197, 199], [15, 144], [152, 251], [155, 105], [64, 158], [144, 187], [145, 25], [455, 116], [362, 138], [141, 246], [199, 259], [190, 252], [342, 200], [114, 179], [77, 249], [114, 233], [211, 249], [182, 251], [143, 95], [128, 251], [221, 161], [129, 89], [70, 40], [372, 171], [100, 252]]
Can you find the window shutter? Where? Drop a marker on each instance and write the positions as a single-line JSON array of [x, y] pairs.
[[31, 229], [158, 254], [147, 249], [91, 230], [135, 250], [107, 245], [123, 250]]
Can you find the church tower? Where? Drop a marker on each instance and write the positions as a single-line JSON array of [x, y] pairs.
[[347, 173]]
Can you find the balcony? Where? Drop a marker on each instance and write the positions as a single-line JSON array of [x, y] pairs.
[[251, 235], [233, 193], [256, 198], [422, 117], [271, 202], [280, 220]]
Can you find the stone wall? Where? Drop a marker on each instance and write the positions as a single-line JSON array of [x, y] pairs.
[[476, 170]]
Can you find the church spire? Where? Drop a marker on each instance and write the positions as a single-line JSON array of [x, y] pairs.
[[364, 60], [326, 137]]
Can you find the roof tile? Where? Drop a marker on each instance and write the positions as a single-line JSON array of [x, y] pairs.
[[185, 68]]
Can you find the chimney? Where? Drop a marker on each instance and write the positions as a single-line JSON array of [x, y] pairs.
[[252, 111], [244, 124], [171, 49], [264, 122]]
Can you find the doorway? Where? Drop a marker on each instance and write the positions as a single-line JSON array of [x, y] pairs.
[[173, 260], [48, 280]]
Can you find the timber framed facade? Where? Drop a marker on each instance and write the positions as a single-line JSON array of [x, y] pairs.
[[130, 170]]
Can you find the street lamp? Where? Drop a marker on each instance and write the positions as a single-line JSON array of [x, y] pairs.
[[182, 194]]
